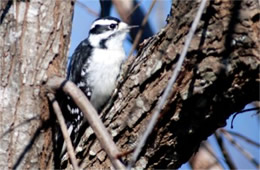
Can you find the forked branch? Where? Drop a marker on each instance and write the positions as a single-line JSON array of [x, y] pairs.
[[91, 115]]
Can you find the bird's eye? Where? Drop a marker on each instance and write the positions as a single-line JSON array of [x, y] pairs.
[[112, 26]]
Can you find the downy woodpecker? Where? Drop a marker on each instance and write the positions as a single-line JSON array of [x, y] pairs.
[[95, 67]]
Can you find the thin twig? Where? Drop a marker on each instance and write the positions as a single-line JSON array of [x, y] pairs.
[[240, 148], [27, 148], [168, 89], [89, 10], [64, 131], [122, 9], [243, 111], [134, 9], [140, 32], [227, 157], [23, 123], [242, 137], [92, 117]]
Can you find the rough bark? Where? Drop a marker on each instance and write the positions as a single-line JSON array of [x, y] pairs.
[[34, 44], [219, 77]]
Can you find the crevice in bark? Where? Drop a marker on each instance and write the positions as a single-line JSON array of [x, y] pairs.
[[5, 10]]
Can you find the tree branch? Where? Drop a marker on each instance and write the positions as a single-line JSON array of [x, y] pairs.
[[141, 29], [89, 10], [240, 148], [64, 131], [91, 115], [169, 88], [242, 137], [225, 152]]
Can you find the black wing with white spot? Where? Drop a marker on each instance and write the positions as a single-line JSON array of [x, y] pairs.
[[77, 73], [78, 67], [73, 119]]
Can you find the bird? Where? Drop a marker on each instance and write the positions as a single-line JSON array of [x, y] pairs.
[[96, 62], [95, 67]]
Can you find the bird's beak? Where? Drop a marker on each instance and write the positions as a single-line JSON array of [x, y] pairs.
[[124, 27], [132, 26]]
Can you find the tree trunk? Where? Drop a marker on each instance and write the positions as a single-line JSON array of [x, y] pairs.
[[219, 77], [34, 45]]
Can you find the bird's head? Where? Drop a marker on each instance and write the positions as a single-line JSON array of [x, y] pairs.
[[108, 33]]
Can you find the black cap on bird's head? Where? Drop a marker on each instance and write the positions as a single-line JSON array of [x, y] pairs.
[[105, 24], [108, 32]]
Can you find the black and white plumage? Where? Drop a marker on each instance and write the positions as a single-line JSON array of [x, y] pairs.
[[96, 62], [95, 66]]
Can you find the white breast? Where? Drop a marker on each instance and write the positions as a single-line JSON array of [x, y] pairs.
[[103, 71]]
